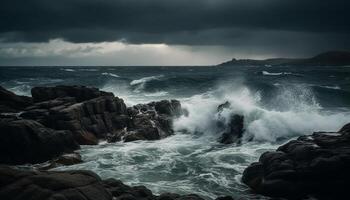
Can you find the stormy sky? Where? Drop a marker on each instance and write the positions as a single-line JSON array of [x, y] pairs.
[[168, 32]]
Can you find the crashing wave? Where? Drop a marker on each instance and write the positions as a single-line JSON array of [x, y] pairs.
[[293, 111], [139, 84]]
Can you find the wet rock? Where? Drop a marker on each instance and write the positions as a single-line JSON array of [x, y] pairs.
[[74, 185], [90, 117], [152, 121], [10, 102], [63, 160], [35, 185], [315, 165], [233, 129], [27, 141]]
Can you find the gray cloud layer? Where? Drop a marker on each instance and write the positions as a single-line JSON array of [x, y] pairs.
[[193, 22]]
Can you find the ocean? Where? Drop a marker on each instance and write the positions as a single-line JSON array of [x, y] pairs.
[[278, 104]]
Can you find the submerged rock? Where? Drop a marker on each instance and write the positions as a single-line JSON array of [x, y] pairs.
[[74, 185], [233, 129], [10, 102], [316, 165], [27, 141]]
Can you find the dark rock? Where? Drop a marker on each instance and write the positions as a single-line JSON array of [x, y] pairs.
[[171, 108], [80, 93], [224, 198], [234, 129], [63, 160], [315, 165], [10, 102], [27, 141], [68, 185], [89, 120], [74, 185]]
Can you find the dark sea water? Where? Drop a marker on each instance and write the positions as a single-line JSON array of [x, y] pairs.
[[279, 104]]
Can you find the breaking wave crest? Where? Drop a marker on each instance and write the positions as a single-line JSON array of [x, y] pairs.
[[292, 111]]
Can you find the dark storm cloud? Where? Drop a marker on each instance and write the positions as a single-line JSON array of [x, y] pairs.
[[189, 22]]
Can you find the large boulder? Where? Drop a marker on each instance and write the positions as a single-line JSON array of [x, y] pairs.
[[10, 102], [88, 120], [41, 185], [316, 165], [27, 141], [80, 93], [74, 185]]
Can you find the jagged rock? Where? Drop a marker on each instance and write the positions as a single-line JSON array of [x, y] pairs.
[[10, 102], [88, 113], [74, 185], [80, 93], [27, 141], [62, 160], [151, 121], [233, 129], [316, 165]]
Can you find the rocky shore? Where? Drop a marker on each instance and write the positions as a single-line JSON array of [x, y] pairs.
[[55, 121], [74, 185], [316, 165]]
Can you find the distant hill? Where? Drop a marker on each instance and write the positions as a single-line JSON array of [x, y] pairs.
[[331, 58]]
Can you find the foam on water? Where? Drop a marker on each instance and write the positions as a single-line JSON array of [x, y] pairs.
[[110, 74]]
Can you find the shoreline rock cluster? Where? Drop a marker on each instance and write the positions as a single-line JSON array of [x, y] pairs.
[[55, 121], [74, 185], [316, 165], [58, 119]]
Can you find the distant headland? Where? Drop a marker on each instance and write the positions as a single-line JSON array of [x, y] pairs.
[[331, 58]]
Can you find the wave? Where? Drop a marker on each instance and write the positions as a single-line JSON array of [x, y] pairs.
[[266, 73], [335, 87], [89, 70], [110, 74], [293, 111], [139, 84], [67, 70]]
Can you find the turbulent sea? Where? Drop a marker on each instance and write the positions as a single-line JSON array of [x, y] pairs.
[[278, 103]]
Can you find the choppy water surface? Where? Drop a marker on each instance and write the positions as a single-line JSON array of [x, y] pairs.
[[278, 104]]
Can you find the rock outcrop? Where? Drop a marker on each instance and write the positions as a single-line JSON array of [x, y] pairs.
[[151, 121], [82, 113], [233, 129], [316, 165], [27, 141], [73, 185], [10, 102]]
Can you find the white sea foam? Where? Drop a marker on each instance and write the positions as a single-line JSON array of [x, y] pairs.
[[266, 73], [334, 87], [110, 74], [68, 70], [295, 112]]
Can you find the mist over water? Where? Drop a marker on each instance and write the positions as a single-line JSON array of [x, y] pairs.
[[278, 104]]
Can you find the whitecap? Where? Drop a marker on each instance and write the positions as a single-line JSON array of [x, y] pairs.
[[68, 70], [334, 87], [110, 74]]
